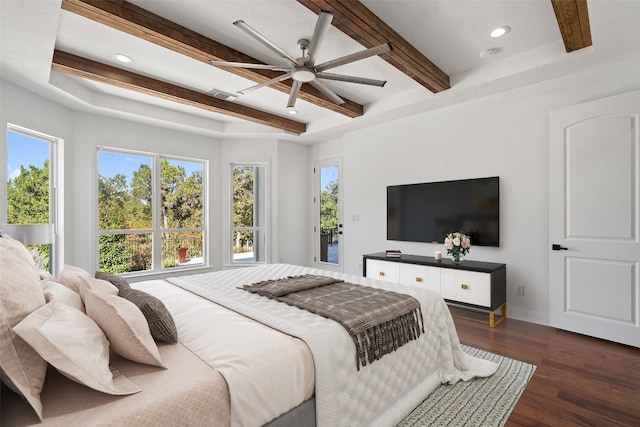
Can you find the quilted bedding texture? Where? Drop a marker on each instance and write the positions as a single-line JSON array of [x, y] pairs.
[[380, 394]]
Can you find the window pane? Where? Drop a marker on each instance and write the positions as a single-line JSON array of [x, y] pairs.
[[27, 179], [181, 248], [329, 218], [124, 191], [162, 199], [243, 196], [182, 196], [249, 220], [248, 246], [122, 253], [28, 187]]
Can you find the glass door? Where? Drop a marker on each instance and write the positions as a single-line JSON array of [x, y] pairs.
[[328, 213]]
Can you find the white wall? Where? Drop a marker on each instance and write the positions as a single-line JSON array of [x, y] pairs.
[[504, 135], [292, 194]]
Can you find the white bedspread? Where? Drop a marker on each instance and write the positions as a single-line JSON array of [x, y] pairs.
[[267, 372], [380, 394]]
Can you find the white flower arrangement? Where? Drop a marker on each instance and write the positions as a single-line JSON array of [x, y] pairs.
[[457, 245]]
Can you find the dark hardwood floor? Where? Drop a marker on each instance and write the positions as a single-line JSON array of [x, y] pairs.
[[579, 380]]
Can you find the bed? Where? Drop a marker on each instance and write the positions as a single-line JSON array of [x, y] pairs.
[[245, 360]]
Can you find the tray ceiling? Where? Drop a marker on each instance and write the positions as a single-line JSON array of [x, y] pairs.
[[442, 54]]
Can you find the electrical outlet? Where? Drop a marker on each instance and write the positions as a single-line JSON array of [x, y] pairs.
[[519, 291]]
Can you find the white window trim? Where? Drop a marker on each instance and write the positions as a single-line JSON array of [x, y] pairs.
[[155, 218], [56, 184], [228, 245]]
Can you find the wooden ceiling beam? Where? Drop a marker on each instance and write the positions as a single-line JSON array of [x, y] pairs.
[[354, 19], [134, 20], [85, 68], [573, 20]]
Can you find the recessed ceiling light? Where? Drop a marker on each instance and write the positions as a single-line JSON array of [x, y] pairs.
[[292, 111], [500, 31], [123, 58]]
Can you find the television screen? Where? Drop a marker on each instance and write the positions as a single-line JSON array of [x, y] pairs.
[[427, 212]]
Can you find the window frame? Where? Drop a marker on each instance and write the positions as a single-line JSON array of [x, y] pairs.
[[266, 208], [156, 229], [56, 192]]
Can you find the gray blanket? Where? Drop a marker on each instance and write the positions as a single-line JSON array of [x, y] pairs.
[[378, 321]]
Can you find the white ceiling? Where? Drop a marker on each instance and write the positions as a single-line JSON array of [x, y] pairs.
[[451, 33]]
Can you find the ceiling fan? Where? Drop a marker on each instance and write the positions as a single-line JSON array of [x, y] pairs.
[[304, 69]]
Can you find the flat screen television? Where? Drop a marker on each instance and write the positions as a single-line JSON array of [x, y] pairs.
[[427, 212]]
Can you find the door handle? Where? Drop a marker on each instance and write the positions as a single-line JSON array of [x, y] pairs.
[[556, 247]]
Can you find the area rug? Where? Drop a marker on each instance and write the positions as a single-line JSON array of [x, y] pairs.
[[480, 402]]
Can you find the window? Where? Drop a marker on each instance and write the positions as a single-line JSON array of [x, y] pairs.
[[31, 185], [249, 213], [141, 228]]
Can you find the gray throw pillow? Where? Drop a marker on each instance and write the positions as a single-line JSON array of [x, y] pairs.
[[160, 322], [115, 280]]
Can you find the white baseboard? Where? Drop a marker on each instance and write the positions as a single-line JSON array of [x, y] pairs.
[[527, 315]]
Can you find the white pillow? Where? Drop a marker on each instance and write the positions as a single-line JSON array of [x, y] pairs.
[[19, 250], [21, 368], [124, 325], [59, 292], [70, 276], [73, 344], [45, 275], [97, 285]]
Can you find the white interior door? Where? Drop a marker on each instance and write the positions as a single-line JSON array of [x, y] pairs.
[[328, 215], [594, 219]]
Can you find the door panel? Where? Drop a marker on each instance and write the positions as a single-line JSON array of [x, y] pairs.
[[594, 215], [604, 146], [586, 280]]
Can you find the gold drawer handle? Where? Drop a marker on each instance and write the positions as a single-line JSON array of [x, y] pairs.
[[381, 273], [464, 286], [418, 279]]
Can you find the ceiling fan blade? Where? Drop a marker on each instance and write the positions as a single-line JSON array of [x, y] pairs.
[[322, 26], [385, 47], [262, 39], [328, 92], [267, 83], [293, 95], [247, 65], [351, 79]]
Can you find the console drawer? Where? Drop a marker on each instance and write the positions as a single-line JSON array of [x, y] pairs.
[[383, 270], [466, 286], [420, 275]]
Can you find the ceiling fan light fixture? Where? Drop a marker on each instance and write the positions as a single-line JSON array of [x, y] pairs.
[[499, 31], [304, 69], [304, 74]]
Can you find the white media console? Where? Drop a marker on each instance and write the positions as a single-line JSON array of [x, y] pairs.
[[475, 285]]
